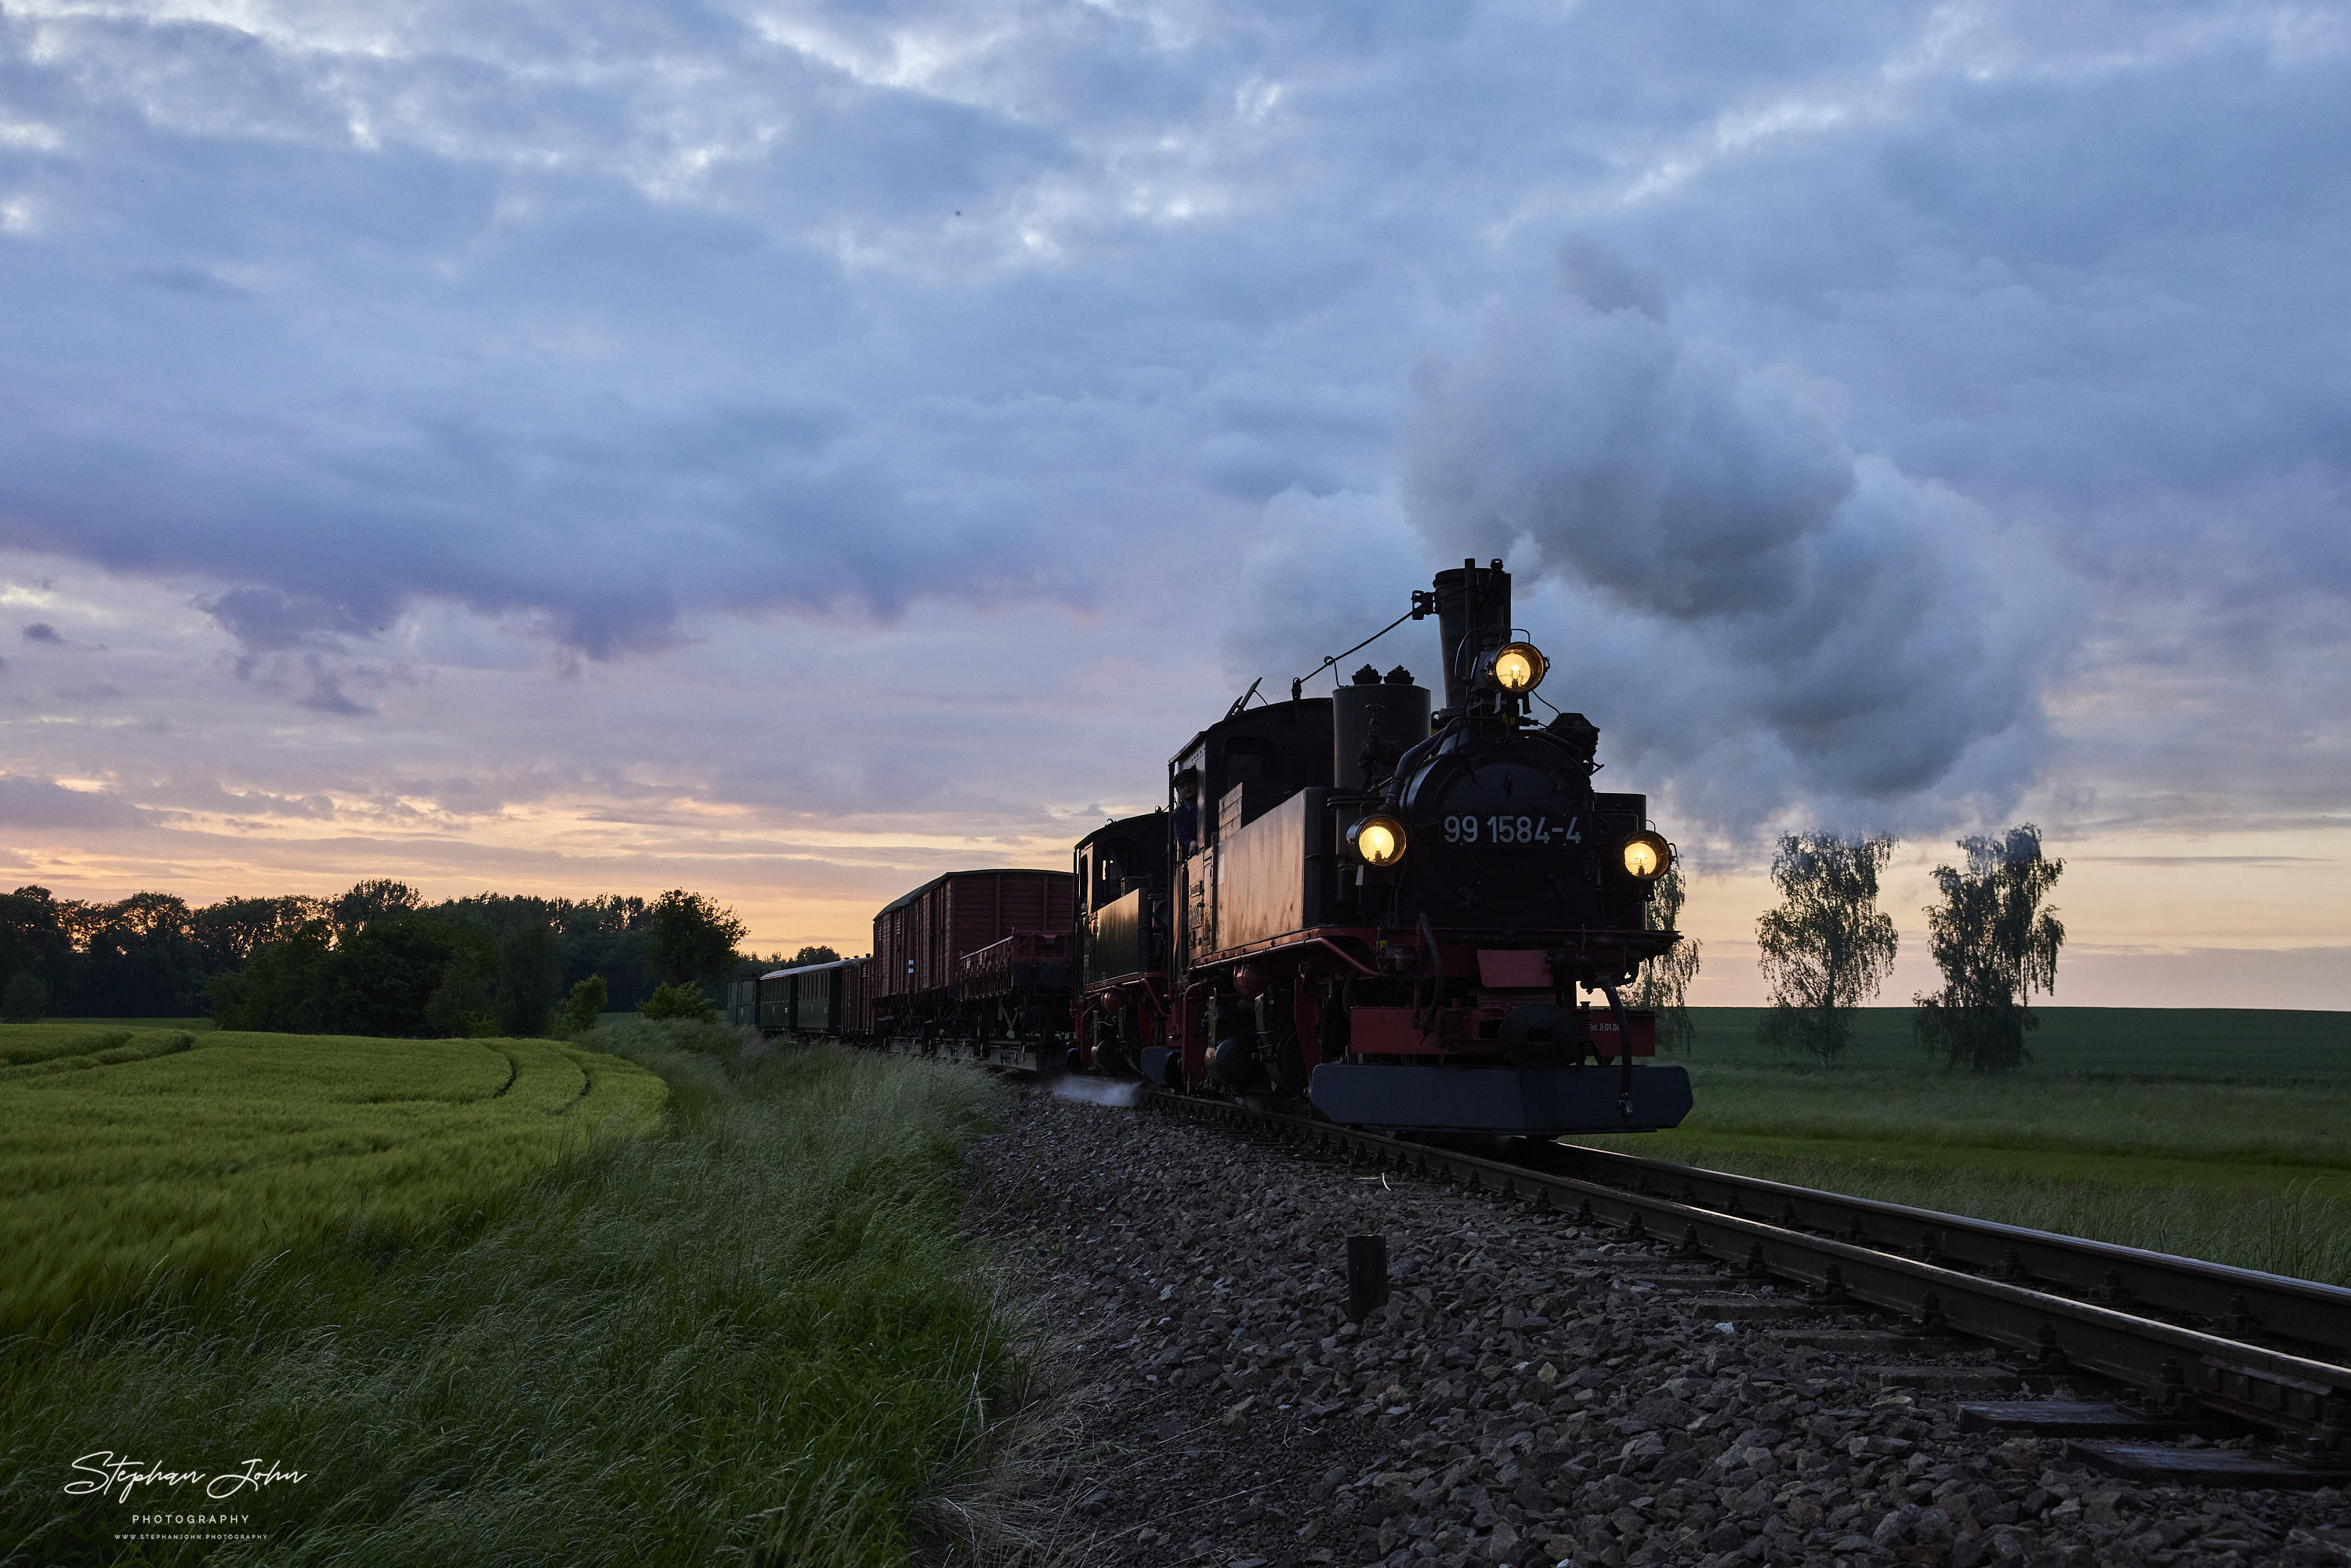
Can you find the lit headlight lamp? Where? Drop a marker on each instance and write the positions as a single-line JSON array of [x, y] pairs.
[[1646, 856], [1377, 840], [1516, 668]]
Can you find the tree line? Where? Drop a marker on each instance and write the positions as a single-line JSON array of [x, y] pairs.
[[377, 959]]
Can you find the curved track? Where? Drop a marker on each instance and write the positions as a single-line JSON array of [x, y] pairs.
[[2187, 1335]]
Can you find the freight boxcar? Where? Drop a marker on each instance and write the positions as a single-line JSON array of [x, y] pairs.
[[976, 963]]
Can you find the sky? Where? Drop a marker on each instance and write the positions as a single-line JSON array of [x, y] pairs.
[[790, 451]]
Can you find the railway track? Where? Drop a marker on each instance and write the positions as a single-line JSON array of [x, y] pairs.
[[2187, 1340]]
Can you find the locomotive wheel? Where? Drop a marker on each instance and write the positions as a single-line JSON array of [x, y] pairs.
[[1288, 1060]]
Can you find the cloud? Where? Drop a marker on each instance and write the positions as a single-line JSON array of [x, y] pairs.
[[40, 804], [42, 632], [1595, 272], [1326, 572], [191, 280], [1782, 624], [266, 620], [470, 371], [325, 693], [293, 643], [831, 312]]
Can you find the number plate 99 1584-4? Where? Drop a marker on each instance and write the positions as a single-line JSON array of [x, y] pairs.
[[1500, 828]]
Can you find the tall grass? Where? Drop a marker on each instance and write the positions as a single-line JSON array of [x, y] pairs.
[[2204, 1044], [754, 1336], [2213, 1133], [2293, 1229], [2296, 1129]]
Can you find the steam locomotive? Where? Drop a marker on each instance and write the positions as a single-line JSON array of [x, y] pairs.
[[1391, 913]]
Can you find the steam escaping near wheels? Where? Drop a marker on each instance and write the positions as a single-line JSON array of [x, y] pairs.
[[1096, 1090]]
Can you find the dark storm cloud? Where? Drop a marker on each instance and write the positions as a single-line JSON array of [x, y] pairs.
[[2102, 288], [605, 321], [42, 632], [539, 390]]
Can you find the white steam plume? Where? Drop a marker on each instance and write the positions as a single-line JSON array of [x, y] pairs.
[[1097, 1091], [1766, 623]]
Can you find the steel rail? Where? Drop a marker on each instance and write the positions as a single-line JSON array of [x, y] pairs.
[[2243, 1302], [2176, 1368]]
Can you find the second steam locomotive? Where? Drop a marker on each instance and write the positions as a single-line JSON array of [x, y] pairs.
[[1400, 916]]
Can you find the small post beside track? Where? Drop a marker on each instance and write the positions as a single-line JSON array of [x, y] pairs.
[[1367, 1275]]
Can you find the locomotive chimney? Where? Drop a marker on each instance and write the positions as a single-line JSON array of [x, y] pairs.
[[1473, 614]]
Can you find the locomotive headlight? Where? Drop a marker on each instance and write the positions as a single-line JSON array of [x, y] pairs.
[[1519, 667], [1646, 856], [1377, 841]]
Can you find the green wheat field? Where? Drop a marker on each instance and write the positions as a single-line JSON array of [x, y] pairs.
[[2213, 1133], [666, 1295], [137, 1156]]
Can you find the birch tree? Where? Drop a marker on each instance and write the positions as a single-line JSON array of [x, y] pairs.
[[1665, 981], [1996, 946], [1827, 947]]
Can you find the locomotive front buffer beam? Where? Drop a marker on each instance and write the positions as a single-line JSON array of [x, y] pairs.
[[1508, 1100]]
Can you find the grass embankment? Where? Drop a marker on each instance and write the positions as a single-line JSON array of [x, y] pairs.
[[2216, 1133], [755, 1333], [137, 1159]]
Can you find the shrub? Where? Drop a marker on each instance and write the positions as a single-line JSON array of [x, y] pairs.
[[582, 1006], [678, 1000]]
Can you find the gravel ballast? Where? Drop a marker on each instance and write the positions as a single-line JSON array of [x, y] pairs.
[[1534, 1392]]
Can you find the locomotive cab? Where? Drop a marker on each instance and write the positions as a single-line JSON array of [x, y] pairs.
[[1121, 878]]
